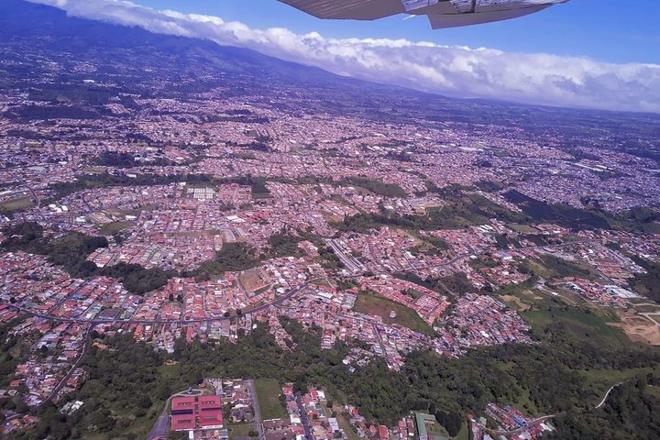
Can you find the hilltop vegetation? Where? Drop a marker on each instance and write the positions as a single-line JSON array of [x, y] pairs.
[[630, 413], [557, 375]]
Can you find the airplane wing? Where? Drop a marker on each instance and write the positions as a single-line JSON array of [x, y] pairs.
[[349, 9], [457, 13], [441, 13]]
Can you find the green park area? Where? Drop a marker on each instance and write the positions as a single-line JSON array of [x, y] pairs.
[[15, 205], [240, 430], [115, 227], [371, 304], [268, 395]]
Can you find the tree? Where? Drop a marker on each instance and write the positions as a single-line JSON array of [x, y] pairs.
[[451, 421], [145, 402]]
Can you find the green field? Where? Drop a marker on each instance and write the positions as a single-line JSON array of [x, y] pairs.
[[375, 305], [550, 266], [240, 430], [464, 433], [347, 427], [584, 323], [114, 227], [16, 205], [268, 394], [603, 379]]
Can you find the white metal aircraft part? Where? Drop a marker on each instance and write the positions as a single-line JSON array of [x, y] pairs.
[[441, 13]]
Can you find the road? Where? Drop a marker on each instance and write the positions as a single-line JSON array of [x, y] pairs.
[[348, 260], [551, 416], [303, 417], [161, 427], [522, 429], [650, 316], [62, 383], [607, 394], [258, 420]]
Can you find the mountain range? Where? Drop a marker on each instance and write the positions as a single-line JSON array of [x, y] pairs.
[[74, 66]]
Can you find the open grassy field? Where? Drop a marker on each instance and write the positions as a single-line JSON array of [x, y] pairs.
[[268, 394], [638, 327], [603, 379], [253, 279], [237, 430], [14, 205], [551, 266], [464, 433], [375, 305], [584, 322], [347, 427], [582, 316], [522, 229], [114, 227]]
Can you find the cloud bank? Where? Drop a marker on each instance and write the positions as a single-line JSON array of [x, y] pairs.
[[451, 70]]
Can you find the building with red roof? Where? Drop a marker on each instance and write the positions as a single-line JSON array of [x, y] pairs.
[[191, 413], [183, 422], [383, 432], [209, 402], [183, 405]]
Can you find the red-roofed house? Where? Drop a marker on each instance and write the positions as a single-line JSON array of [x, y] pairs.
[[383, 432]]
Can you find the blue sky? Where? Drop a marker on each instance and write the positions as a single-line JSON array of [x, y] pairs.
[[618, 31], [587, 53]]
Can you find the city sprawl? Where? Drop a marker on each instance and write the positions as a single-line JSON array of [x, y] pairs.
[[175, 210]]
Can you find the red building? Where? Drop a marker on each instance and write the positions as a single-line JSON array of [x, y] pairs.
[[183, 422], [196, 412]]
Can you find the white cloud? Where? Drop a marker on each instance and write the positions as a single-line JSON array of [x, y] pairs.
[[458, 71]]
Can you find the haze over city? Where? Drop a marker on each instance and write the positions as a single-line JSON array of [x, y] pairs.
[[614, 70]]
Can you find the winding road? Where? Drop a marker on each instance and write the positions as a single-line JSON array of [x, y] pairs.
[[607, 394], [551, 416]]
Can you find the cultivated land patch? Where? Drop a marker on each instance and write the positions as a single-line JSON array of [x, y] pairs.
[[517, 302], [375, 305]]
